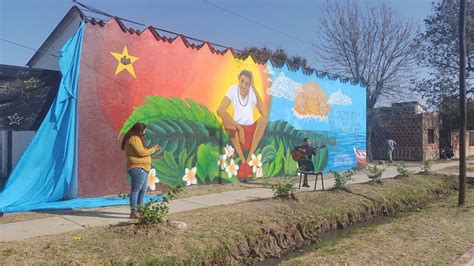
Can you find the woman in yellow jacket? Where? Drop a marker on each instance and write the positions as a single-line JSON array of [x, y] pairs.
[[138, 164]]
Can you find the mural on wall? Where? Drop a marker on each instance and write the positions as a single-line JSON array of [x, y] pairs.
[[333, 110], [216, 117], [229, 143]]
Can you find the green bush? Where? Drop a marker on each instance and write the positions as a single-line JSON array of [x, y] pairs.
[[154, 212], [375, 173], [402, 170], [341, 179], [285, 189], [426, 167]]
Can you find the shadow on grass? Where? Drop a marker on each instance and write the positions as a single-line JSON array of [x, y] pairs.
[[97, 213]]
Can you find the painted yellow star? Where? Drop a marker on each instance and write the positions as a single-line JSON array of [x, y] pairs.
[[125, 62]]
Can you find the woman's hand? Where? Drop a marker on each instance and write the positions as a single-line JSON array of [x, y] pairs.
[[157, 147]]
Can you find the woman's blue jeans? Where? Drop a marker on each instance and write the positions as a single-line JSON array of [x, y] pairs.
[[139, 186]]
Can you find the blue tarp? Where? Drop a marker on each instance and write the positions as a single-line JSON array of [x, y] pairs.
[[47, 168]]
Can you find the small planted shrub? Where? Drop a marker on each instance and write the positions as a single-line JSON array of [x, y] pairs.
[[285, 189], [153, 211], [426, 167], [402, 170], [375, 173], [341, 179]]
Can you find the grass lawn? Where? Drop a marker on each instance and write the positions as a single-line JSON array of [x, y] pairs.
[[239, 233], [436, 234]]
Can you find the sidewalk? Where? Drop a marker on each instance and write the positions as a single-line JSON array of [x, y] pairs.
[[114, 215], [466, 259]]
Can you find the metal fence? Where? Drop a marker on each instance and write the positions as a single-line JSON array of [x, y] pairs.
[[400, 153]]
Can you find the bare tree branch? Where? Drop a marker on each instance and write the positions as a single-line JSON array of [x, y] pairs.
[[372, 45]]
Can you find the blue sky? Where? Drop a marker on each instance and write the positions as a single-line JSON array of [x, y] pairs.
[[29, 22]]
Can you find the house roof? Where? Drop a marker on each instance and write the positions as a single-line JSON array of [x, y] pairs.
[[73, 13]]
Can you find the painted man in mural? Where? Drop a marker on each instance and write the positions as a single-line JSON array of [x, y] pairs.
[[243, 131]]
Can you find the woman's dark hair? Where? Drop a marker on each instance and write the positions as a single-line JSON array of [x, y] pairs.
[[136, 130], [246, 73]]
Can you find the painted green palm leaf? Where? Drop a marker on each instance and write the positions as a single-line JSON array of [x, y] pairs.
[[284, 130], [207, 158], [161, 108], [168, 171], [277, 164], [320, 160], [289, 165], [175, 135], [268, 153], [293, 137], [281, 132]]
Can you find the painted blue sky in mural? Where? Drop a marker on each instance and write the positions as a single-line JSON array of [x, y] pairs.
[[345, 102]]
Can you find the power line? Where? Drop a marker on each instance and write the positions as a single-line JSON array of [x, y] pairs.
[[27, 47], [258, 23], [100, 12]]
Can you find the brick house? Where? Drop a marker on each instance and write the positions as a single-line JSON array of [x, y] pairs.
[[415, 130]]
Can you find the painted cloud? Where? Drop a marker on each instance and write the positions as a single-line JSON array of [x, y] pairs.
[[284, 87], [338, 98]]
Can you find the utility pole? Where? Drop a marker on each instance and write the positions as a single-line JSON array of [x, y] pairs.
[[462, 103]]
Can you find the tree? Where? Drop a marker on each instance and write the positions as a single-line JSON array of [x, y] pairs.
[[279, 57], [449, 111], [439, 52], [372, 45]]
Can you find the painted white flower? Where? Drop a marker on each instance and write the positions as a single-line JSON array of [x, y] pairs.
[[255, 162], [222, 161], [259, 172], [152, 179], [232, 168], [229, 151], [190, 176]]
